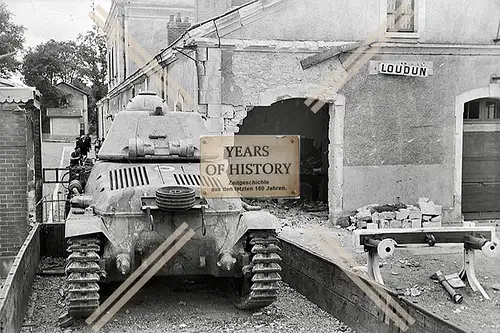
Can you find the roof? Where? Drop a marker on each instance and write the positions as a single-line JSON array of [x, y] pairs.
[[18, 94], [73, 87], [64, 113], [6, 83]]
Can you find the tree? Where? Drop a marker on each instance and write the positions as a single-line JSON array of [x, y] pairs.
[[11, 41], [47, 64], [81, 63], [92, 54]]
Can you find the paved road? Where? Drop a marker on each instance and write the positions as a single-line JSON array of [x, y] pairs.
[[54, 155]]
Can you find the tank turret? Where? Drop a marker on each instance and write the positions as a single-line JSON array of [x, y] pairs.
[[146, 130], [146, 101]]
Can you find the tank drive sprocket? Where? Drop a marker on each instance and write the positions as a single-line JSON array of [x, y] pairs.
[[261, 288], [82, 275]]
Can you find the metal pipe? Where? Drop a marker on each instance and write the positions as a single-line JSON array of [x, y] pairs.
[[475, 243], [384, 248], [456, 297]]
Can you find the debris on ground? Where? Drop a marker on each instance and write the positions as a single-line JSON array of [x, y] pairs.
[[415, 291], [294, 213], [157, 308], [425, 214], [409, 263], [48, 263]]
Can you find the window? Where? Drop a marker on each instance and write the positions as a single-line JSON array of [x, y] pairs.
[[484, 109], [401, 16]]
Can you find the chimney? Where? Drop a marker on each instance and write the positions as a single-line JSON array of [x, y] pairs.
[[176, 27]]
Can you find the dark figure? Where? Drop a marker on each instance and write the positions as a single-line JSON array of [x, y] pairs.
[[75, 158], [88, 143], [78, 144], [97, 146], [83, 148]]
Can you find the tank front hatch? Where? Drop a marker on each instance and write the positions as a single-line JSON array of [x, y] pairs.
[[140, 135]]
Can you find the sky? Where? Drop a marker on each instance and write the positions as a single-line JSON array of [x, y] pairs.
[[53, 19]]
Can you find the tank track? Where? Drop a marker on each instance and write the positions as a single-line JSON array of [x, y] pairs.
[[261, 289], [83, 275]]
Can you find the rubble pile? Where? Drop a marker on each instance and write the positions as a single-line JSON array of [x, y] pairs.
[[426, 214]]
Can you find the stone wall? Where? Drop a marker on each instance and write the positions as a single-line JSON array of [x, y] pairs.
[[400, 131]]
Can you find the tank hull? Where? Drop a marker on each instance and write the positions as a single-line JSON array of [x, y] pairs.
[[145, 186]]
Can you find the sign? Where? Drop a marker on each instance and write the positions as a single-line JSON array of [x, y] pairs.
[[250, 166], [403, 68]]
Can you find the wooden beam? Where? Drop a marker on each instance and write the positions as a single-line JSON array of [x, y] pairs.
[[418, 236], [327, 54]]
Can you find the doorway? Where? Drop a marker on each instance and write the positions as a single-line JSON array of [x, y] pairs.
[[481, 159]]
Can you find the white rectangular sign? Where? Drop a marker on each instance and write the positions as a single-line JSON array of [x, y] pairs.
[[403, 68]]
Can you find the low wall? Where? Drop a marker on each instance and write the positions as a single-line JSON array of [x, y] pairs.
[[334, 290], [14, 296], [59, 138]]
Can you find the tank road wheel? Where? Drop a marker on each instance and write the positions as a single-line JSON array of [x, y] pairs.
[[261, 288], [82, 275]]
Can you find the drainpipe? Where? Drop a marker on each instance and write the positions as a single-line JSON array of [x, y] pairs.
[[124, 45]]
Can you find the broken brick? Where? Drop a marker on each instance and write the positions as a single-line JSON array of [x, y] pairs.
[[429, 208], [416, 223], [396, 224], [406, 223], [431, 224], [402, 214], [387, 215], [414, 215]]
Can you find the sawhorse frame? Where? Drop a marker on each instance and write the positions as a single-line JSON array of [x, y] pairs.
[[381, 243]]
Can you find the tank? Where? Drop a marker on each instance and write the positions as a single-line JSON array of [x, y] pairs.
[[144, 185]]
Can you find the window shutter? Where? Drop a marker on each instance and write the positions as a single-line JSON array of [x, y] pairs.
[[400, 15], [391, 15]]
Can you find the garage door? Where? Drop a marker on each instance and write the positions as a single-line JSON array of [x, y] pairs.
[[481, 175]]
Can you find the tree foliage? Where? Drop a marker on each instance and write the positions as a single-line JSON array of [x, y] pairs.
[[81, 63], [11, 41], [92, 53]]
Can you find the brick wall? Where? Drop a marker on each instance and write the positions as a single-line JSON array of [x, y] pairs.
[[13, 181], [175, 30]]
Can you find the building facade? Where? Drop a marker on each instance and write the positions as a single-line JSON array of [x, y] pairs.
[[70, 120], [377, 89]]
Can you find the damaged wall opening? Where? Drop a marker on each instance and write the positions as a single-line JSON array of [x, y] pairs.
[[294, 117]]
